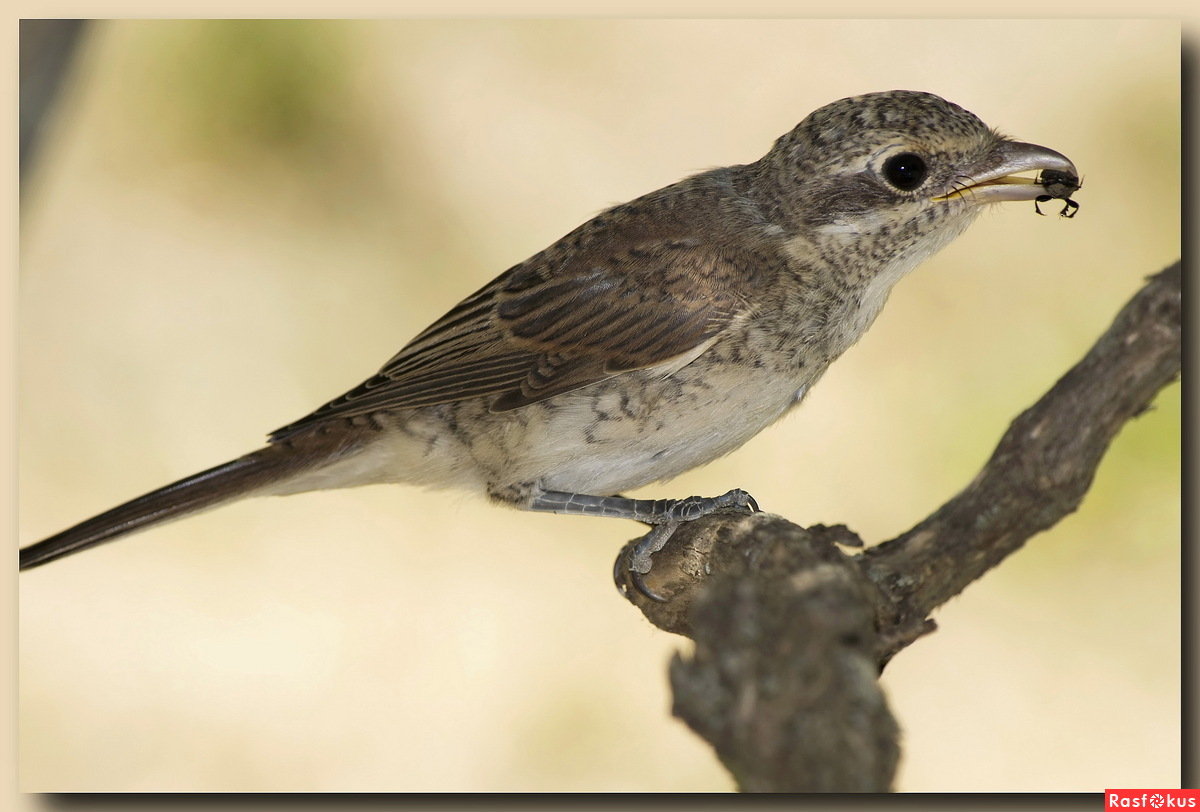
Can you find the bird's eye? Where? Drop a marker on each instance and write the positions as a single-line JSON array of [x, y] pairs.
[[905, 171]]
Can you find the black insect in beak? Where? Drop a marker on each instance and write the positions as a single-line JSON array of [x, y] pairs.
[[1058, 185]]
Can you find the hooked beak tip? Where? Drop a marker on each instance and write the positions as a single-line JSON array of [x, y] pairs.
[[997, 177]]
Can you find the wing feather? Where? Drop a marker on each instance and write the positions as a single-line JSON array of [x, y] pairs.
[[564, 319]]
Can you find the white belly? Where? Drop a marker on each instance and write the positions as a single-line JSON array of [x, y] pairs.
[[595, 447]]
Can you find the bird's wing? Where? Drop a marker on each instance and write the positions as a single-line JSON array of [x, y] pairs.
[[557, 322]]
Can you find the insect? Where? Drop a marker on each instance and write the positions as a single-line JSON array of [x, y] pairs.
[[1058, 185]]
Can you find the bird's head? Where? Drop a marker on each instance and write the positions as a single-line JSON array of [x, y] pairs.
[[903, 170]]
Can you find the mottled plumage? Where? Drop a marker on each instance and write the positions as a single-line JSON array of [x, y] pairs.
[[655, 337]]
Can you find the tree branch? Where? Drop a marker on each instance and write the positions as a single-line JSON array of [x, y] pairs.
[[791, 631]]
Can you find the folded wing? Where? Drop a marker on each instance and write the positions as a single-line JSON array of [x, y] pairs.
[[549, 326]]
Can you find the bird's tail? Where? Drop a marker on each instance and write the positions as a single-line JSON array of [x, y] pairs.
[[245, 476]]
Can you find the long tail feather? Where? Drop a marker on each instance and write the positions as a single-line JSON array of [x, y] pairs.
[[224, 483]]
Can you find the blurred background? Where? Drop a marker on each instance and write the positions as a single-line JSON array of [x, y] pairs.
[[225, 224]]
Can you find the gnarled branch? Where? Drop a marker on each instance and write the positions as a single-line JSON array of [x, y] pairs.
[[791, 631]]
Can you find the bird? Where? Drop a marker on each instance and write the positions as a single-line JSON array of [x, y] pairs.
[[657, 336]]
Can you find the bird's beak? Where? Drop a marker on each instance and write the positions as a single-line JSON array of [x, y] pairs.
[[997, 177]]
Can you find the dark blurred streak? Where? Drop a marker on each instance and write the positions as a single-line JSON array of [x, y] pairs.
[[47, 49]]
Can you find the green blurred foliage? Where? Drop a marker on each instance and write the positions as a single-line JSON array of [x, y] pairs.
[[235, 89]]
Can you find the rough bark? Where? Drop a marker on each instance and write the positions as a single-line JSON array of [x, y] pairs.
[[792, 628]]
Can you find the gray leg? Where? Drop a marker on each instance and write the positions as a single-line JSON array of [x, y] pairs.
[[647, 511], [664, 514]]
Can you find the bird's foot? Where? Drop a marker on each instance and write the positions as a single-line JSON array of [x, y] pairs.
[[674, 512]]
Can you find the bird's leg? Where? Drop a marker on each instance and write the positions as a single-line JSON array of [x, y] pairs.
[[647, 511], [664, 515]]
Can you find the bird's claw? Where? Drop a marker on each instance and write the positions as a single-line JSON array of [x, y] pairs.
[[637, 579], [639, 559]]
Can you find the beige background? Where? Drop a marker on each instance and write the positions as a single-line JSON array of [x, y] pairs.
[[234, 222]]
